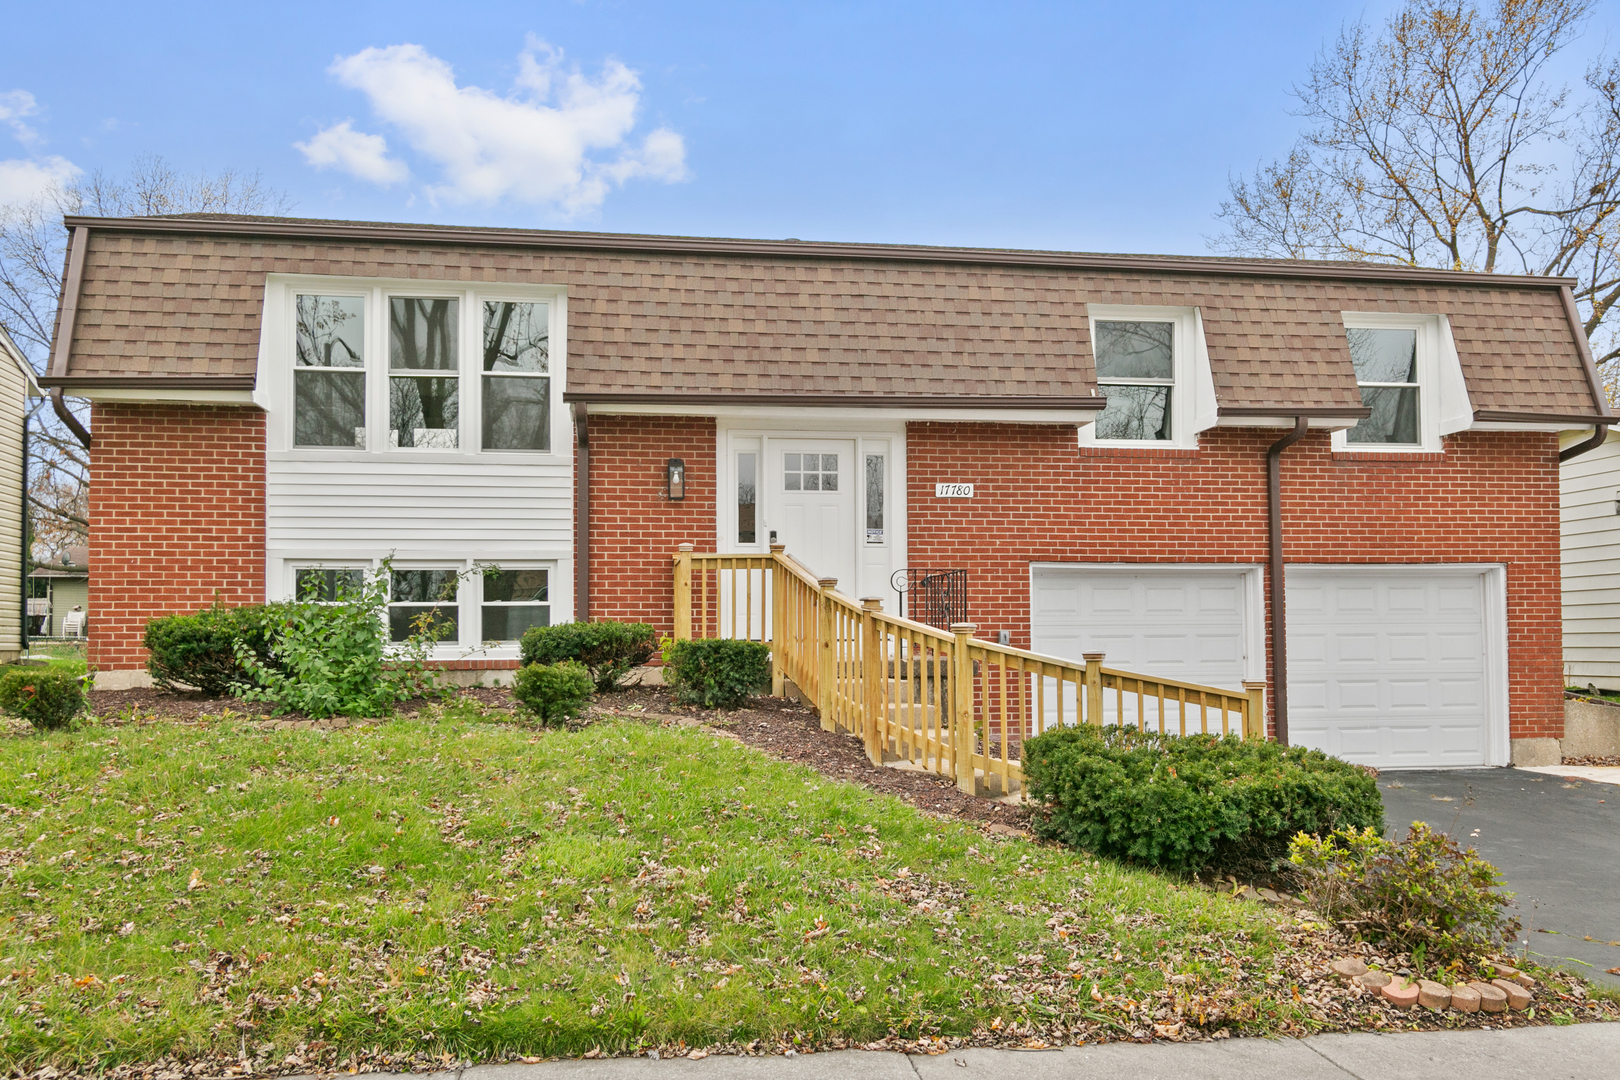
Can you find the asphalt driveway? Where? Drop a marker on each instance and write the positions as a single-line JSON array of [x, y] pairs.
[[1556, 841]]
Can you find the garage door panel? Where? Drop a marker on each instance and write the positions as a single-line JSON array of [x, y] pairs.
[[1175, 622], [1401, 655]]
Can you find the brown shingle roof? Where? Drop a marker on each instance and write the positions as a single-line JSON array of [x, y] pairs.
[[182, 298]]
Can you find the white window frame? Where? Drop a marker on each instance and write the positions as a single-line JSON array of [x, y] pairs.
[[469, 604], [277, 363], [1434, 353], [1188, 407]]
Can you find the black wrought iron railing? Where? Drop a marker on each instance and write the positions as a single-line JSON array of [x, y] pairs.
[[936, 597]]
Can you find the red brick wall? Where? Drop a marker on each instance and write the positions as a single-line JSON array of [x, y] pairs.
[[177, 506], [1492, 497], [634, 526]]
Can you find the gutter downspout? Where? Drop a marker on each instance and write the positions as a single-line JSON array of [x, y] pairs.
[[66, 314], [582, 515], [1592, 442], [1279, 633]]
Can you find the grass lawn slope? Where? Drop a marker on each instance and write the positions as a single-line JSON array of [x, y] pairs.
[[279, 900]]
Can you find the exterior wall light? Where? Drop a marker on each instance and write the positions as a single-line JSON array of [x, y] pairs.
[[675, 478]]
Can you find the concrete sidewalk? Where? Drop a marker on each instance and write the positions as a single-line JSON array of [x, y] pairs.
[[1579, 1052]]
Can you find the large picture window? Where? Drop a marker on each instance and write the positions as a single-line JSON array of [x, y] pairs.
[[398, 368], [329, 376]]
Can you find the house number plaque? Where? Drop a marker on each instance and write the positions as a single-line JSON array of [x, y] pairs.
[[953, 491]]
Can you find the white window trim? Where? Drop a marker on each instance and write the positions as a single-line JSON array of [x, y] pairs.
[[274, 385], [469, 644], [1192, 397], [1443, 403]]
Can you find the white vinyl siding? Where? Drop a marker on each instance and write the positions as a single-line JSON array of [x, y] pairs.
[[1589, 487], [13, 405]]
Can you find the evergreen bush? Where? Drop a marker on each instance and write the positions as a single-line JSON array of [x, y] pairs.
[[554, 692], [1191, 804], [609, 650], [717, 673], [47, 697], [198, 652]]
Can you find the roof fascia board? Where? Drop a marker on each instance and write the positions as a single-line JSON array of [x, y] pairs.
[[1573, 313], [845, 401], [74, 384], [1516, 417], [958, 414], [666, 245]]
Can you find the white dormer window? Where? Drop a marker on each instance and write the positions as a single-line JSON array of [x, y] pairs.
[[1409, 376], [1152, 368]]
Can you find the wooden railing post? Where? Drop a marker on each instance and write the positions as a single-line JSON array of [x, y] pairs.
[[683, 592], [1094, 694], [826, 651], [874, 730], [778, 602], [961, 689], [1254, 720]]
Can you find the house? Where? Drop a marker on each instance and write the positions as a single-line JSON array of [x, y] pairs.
[[59, 596], [17, 385], [1119, 453]]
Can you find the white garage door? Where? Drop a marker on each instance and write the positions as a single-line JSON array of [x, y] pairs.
[[1187, 623], [1388, 666]]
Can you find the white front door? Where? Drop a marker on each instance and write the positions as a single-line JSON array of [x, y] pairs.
[[812, 500], [1389, 666]]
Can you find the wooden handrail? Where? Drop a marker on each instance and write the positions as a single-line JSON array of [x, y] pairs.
[[945, 701]]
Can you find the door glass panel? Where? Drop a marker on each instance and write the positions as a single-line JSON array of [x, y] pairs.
[[874, 498], [746, 498]]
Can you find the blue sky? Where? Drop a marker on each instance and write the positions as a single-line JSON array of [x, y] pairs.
[[1100, 127]]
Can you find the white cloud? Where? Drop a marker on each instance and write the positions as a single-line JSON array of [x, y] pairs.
[[559, 137], [23, 181], [355, 152], [14, 105]]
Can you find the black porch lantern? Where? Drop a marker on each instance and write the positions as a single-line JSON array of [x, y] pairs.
[[675, 479]]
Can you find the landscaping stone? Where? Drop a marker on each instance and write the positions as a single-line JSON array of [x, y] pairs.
[[1373, 980], [1433, 995], [1518, 998], [1400, 993], [1513, 974], [1464, 998], [1492, 999], [1349, 967]]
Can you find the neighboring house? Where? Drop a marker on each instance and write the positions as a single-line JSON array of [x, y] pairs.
[[17, 385], [1590, 490], [279, 403], [59, 596]]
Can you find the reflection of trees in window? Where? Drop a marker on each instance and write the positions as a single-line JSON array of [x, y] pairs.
[[1135, 412], [422, 338], [1386, 370], [517, 386], [329, 383], [746, 489], [874, 498]]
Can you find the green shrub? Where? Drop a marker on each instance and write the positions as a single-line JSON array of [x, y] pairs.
[[336, 658], [1424, 895], [199, 651], [607, 649], [47, 697], [717, 673], [554, 692], [1194, 803]]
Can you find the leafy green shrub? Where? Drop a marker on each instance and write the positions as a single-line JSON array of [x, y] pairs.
[[1193, 803], [336, 658], [554, 692], [47, 697], [607, 649], [717, 673], [199, 651], [1425, 895]]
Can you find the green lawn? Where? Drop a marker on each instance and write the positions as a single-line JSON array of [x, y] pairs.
[[434, 886]]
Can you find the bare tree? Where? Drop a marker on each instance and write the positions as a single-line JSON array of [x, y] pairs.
[[32, 258], [1435, 140]]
